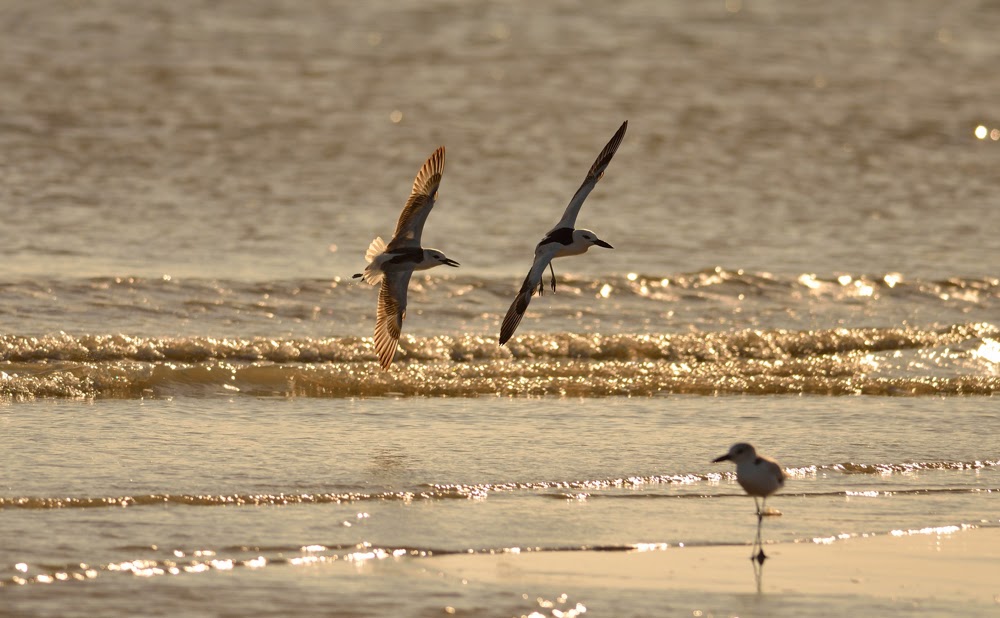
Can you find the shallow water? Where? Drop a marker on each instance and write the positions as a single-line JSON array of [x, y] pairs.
[[271, 490], [804, 224]]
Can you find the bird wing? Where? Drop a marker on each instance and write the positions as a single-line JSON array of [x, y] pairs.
[[418, 206], [773, 469], [777, 471], [391, 311], [595, 174], [543, 255]]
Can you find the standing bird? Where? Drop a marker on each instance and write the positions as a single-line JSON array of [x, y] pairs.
[[759, 476], [393, 264], [561, 241]]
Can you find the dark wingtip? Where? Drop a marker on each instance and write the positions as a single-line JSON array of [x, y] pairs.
[[620, 133], [604, 159], [510, 323], [357, 276]]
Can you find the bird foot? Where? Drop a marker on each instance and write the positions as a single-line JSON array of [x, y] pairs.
[[759, 557]]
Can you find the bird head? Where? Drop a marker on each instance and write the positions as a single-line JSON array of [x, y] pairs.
[[590, 238], [741, 451], [433, 257]]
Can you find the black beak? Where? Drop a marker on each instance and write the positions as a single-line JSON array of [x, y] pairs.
[[601, 243], [723, 458], [451, 262]]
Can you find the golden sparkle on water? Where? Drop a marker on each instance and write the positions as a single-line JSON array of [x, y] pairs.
[[982, 132], [988, 351]]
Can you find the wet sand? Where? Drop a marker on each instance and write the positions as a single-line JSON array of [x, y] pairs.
[[958, 567]]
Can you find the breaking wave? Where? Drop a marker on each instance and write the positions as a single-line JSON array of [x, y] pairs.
[[960, 359]]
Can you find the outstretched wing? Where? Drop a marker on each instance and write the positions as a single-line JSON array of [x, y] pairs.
[[391, 311], [425, 186], [595, 173], [520, 304]]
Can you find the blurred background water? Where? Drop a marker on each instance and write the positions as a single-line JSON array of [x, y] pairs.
[[269, 140]]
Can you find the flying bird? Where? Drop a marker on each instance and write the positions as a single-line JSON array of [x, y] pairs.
[[393, 264], [561, 241], [759, 476]]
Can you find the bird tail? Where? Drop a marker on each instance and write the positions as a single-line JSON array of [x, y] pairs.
[[516, 311], [373, 272], [377, 246]]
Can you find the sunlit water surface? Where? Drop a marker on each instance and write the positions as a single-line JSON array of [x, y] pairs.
[[804, 219]]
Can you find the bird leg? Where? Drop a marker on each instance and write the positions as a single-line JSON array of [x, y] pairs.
[[758, 553], [553, 278], [758, 575]]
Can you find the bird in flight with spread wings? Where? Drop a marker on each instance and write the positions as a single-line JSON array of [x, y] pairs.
[[561, 241], [392, 265]]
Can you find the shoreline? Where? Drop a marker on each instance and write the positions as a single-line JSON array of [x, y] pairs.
[[936, 565]]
